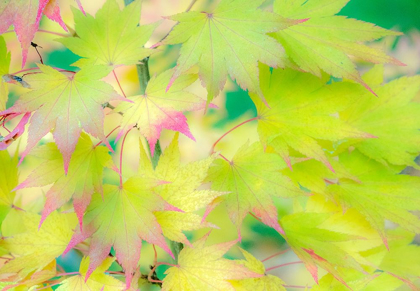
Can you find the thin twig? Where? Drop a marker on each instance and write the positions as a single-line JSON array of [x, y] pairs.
[[276, 254], [121, 154], [284, 265], [116, 78], [107, 136]]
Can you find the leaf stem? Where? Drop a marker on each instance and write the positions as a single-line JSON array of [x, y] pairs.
[[284, 265], [256, 217], [107, 135], [67, 274], [152, 271], [121, 154], [232, 129], [191, 5], [119, 85], [48, 286], [276, 254]]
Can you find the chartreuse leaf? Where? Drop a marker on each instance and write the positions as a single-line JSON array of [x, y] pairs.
[[316, 246], [8, 181], [112, 38], [122, 217], [229, 40], [180, 190], [252, 177], [157, 110], [299, 115], [5, 57], [393, 117], [34, 249], [97, 281], [382, 194], [266, 282], [82, 180], [327, 42], [66, 103], [203, 268]]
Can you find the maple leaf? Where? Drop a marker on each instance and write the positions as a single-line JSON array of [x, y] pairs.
[[393, 112], [203, 268], [327, 42], [97, 281], [252, 177], [34, 249], [82, 180], [382, 193], [5, 57], [112, 38], [26, 17], [67, 104], [157, 109], [317, 246], [229, 40], [299, 115], [265, 282], [122, 217], [180, 190], [8, 181]]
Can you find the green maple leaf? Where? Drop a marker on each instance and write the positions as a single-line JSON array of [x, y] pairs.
[[327, 42], [97, 281], [300, 116], [8, 181], [317, 246], [34, 249], [251, 178], [180, 190], [84, 176], [381, 193], [5, 57], [203, 268], [122, 217], [66, 103], [266, 282], [112, 38], [229, 40], [394, 118]]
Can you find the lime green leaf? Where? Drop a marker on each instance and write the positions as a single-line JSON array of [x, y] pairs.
[[97, 281], [393, 112], [252, 177], [266, 282], [34, 249], [4, 69], [82, 180], [203, 268], [8, 181], [229, 40], [380, 195], [326, 42], [112, 38], [122, 217], [299, 115]]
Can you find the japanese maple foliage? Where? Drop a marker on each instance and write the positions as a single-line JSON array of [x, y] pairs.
[[327, 172]]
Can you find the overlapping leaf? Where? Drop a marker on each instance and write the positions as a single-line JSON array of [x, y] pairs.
[[300, 115], [4, 69], [393, 117], [112, 38], [66, 103], [266, 282], [34, 249], [122, 217], [82, 180], [203, 268], [157, 110], [180, 190], [382, 193], [252, 177], [26, 17], [97, 281], [327, 42], [229, 40]]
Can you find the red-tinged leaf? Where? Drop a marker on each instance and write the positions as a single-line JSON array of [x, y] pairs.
[[17, 131], [52, 11], [157, 110], [122, 218], [66, 103], [251, 178], [82, 180], [79, 3], [203, 268]]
